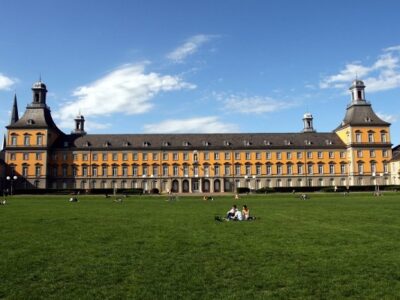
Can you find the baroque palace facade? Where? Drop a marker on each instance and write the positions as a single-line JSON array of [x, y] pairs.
[[357, 152]]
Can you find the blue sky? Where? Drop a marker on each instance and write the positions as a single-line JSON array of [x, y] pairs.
[[200, 66]]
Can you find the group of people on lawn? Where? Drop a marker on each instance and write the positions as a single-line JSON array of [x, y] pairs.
[[235, 214]]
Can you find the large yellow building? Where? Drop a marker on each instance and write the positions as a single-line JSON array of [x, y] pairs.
[[42, 156]]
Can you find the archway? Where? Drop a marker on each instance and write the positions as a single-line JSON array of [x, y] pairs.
[[217, 185], [175, 186], [206, 186], [185, 186]]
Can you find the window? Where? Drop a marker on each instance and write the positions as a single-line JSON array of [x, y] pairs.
[[206, 170], [25, 171], [84, 157], [290, 169], [124, 170], [185, 156], [39, 156], [258, 169], [25, 156], [206, 156], [114, 170], [269, 169], [84, 170], [342, 154], [342, 168], [186, 170], [320, 169], [248, 170], [320, 154], [384, 153], [165, 170], [331, 154], [94, 170], [227, 155], [104, 157], [373, 167], [358, 137], [248, 155], [279, 169], [64, 171], [175, 156], [258, 155], [13, 140], [237, 155], [124, 156], [39, 140], [38, 171], [237, 169], [331, 169], [299, 155], [27, 140], [94, 157], [289, 155], [104, 170], [309, 154], [278, 155], [360, 168], [135, 170], [227, 170], [371, 153], [216, 170], [175, 170], [74, 171], [155, 156], [370, 137], [383, 137], [155, 171], [144, 156], [359, 153], [165, 156], [385, 168], [115, 156], [145, 170], [310, 169], [196, 171], [268, 155], [134, 156], [216, 155], [195, 157], [12, 156], [300, 169]]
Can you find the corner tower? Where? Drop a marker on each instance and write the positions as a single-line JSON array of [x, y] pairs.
[[367, 138], [29, 140]]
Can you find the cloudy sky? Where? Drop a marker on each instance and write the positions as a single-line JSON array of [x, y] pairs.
[[200, 66]]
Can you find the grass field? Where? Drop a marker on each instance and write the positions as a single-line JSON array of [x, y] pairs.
[[328, 247]]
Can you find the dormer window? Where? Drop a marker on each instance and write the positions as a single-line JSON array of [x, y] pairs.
[[107, 144], [205, 143], [146, 144], [30, 122], [165, 144], [328, 142], [307, 142], [368, 120], [86, 144], [288, 142], [227, 143], [185, 144], [125, 144], [246, 143], [267, 143]]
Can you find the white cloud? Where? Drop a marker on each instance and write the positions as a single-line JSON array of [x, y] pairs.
[[193, 125], [383, 74], [189, 47], [127, 90], [252, 105], [387, 117], [6, 82]]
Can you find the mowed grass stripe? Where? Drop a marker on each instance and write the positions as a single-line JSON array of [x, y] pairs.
[[327, 247]]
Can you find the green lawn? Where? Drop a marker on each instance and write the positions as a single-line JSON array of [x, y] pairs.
[[328, 247]]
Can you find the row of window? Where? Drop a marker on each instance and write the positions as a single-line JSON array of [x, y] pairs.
[[371, 136], [27, 140], [372, 153], [155, 156]]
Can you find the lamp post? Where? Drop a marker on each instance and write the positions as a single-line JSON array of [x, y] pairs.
[[11, 179]]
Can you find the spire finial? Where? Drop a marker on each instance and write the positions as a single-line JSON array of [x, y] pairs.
[[14, 112], [356, 76], [40, 77]]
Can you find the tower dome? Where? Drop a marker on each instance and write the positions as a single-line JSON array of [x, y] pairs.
[[39, 85]]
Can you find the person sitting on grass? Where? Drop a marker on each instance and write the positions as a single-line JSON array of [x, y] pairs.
[[245, 212], [238, 215], [73, 199], [4, 202], [231, 213]]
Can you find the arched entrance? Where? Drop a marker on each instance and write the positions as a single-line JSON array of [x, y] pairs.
[[175, 186], [185, 186], [206, 186], [217, 185]]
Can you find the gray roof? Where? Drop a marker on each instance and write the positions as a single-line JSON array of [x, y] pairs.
[[35, 117], [396, 153], [220, 141], [361, 114]]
